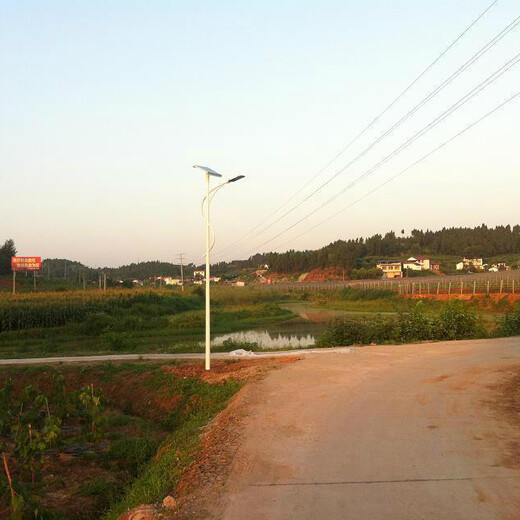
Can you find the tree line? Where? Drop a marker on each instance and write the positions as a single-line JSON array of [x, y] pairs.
[[353, 254], [481, 241]]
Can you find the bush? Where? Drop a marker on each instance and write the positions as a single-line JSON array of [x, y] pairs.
[[115, 340], [97, 322], [132, 322], [510, 325], [187, 320], [268, 310], [414, 326], [455, 321], [344, 332]]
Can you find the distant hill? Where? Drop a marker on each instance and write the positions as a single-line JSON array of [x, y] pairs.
[[62, 268], [445, 245], [480, 241]]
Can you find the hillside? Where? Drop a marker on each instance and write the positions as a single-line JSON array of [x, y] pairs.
[[353, 258]]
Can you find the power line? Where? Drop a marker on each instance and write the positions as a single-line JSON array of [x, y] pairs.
[[415, 163], [461, 102], [432, 94], [370, 124]]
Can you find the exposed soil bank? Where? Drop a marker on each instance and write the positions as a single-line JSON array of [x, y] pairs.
[[480, 297]]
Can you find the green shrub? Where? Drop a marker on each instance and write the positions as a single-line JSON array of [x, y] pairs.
[[344, 332], [115, 340], [97, 322], [132, 453], [414, 326], [187, 320], [510, 324], [457, 322], [131, 322], [269, 309]]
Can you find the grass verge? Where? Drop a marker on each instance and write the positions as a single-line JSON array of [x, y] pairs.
[[161, 474]]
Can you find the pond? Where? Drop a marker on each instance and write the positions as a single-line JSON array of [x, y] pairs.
[[286, 335]]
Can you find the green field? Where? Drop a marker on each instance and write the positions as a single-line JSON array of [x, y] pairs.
[[167, 321]]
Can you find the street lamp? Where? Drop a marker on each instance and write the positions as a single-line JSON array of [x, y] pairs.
[[207, 200]]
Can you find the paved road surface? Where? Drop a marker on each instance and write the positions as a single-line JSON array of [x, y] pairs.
[[164, 357], [385, 433]]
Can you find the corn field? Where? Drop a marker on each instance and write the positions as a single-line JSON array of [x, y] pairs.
[[54, 309]]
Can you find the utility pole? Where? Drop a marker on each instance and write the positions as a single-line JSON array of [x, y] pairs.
[[181, 257], [207, 202]]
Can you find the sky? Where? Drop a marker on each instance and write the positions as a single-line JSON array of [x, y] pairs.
[[106, 106]]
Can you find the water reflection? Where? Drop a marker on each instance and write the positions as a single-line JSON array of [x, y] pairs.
[[287, 335], [277, 335]]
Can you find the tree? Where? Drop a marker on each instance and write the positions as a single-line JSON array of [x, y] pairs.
[[6, 252], [415, 249]]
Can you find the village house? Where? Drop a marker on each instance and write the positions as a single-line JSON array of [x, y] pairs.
[[168, 280], [424, 261], [476, 263], [435, 266], [421, 263], [413, 264], [391, 268], [199, 275], [499, 266]]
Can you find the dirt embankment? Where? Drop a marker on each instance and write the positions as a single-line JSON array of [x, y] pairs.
[[206, 476], [481, 298], [324, 275], [315, 275]]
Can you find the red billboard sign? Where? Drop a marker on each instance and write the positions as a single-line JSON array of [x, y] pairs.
[[26, 263]]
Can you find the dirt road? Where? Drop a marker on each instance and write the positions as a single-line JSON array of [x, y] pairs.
[[394, 432]]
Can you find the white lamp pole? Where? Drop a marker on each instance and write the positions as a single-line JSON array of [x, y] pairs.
[[207, 199]]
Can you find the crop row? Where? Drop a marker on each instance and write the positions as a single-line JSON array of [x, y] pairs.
[[57, 309]]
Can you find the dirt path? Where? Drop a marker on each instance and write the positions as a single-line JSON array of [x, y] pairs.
[[406, 432]]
